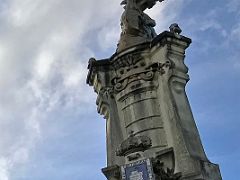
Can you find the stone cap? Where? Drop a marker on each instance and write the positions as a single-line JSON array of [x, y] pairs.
[[93, 66], [160, 38], [103, 64]]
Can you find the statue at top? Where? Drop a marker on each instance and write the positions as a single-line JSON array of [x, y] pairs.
[[137, 27]]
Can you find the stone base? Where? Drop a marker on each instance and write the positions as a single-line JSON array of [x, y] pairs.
[[142, 90], [209, 171]]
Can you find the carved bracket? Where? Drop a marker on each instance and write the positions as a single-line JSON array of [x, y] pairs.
[[112, 172], [103, 100]]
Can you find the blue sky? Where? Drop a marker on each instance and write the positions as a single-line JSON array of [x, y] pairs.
[[50, 129]]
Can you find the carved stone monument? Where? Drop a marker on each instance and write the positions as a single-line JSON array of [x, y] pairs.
[[151, 133]]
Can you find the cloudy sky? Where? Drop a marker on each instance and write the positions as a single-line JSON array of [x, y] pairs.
[[49, 127]]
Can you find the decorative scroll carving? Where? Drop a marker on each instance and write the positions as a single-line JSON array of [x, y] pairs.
[[107, 92], [160, 67], [103, 100], [141, 72], [120, 83], [128, 60]]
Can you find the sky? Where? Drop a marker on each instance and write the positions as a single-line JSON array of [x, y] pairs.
[[49, 126]]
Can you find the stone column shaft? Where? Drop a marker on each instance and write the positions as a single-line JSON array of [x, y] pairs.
[[142, 90]]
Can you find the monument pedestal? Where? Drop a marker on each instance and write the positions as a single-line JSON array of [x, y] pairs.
[[141, 91]]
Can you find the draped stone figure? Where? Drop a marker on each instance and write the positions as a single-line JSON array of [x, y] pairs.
[[137, 27]]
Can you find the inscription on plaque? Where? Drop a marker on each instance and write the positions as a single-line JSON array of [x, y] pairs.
[[135, 175], [140, 170]]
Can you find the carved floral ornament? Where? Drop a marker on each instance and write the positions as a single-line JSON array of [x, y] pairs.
[[135, 70]]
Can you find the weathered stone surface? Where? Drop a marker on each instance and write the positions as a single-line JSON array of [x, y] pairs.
[[112, 172], [134, 144], [142, 89]]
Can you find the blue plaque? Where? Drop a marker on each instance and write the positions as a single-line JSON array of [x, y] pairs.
[[139, 170]]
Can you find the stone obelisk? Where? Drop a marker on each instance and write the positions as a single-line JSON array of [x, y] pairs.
[[151, 132]]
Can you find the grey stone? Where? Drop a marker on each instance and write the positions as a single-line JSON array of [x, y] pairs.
[[142, 89]]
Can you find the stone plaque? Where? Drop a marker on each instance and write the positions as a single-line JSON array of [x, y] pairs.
[[139, 170]]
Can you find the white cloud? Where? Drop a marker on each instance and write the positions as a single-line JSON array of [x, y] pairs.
[[237, 65], [166, 13], [233, 6], [109, 39], [235, 34], [43, 63], [208, 21], [43, 60], [44, 49], [3, 169]]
